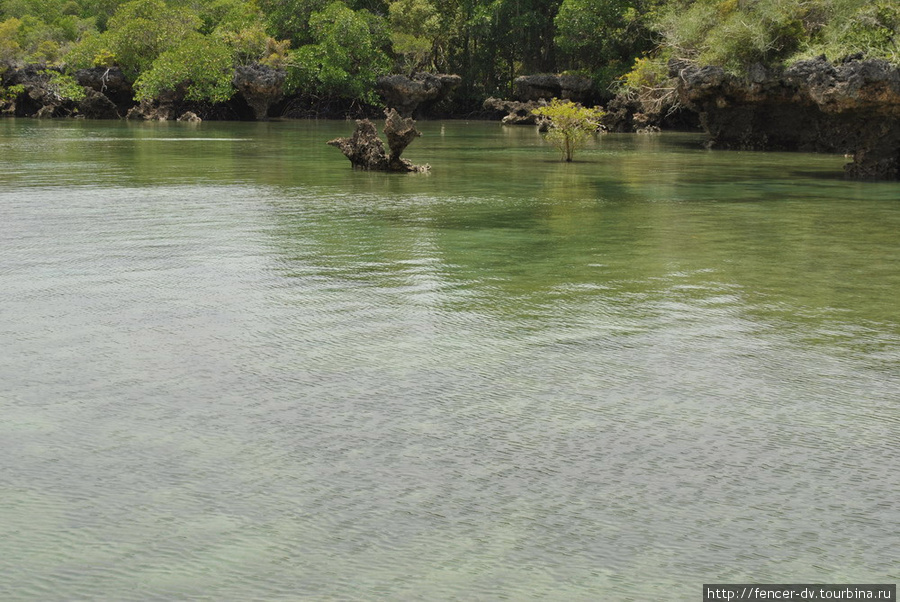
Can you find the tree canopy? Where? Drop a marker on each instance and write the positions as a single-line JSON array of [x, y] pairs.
[[338, 47]]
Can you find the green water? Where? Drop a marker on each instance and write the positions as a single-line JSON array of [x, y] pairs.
[[232, 368]]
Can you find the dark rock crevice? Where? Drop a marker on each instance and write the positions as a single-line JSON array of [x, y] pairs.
[[39, 97], [108, 83]]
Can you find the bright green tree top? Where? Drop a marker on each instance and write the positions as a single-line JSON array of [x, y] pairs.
[[570, 124]]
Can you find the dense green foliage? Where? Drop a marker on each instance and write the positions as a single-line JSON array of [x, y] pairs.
[[64, 87], [336, 48], [200, 67], [737, 33], [346, 54], [626, 33]]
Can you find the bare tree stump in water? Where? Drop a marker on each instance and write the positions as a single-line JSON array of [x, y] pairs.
[[366, 150]]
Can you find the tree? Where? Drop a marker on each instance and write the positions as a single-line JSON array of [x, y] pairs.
[[570, 125], [141, 30], [289, 19], [416, 33], [347, 55], [603, 38], [200, 67], [10, 49]]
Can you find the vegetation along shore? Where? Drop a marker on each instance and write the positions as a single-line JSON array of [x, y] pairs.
[[818, 75]]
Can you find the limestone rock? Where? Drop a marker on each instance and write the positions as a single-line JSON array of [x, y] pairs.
[[547, 86], [814, 105], [517, 113], [407, 94], [163, 108], [400, 133], [261, 86], [365, 150], [49, 111], [97, 105], [40, 97], [648, 110], [111, 82]]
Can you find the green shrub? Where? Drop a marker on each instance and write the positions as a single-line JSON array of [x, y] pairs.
[[647, 72], [64, 87], [91, 51], [570, 125], [873, 29], [10, 93], [734, 34], [142, 30]]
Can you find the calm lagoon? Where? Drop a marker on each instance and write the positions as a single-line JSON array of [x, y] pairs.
[[232, 368]]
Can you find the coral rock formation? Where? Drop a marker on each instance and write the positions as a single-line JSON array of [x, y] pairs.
[[366, 150], [111, 83], [547, 86], [516, 113], [408, 94], [261, 86], [852, 107]]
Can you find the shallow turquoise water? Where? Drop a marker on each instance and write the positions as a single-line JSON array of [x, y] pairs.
[[232, 368]]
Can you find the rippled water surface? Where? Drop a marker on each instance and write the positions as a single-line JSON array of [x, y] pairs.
[[232, 368]]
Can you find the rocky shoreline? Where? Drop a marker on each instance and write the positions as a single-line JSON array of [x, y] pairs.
[[851, 108], [813, 105]]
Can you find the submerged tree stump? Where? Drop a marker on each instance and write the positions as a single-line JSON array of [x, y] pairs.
[[366, 150]]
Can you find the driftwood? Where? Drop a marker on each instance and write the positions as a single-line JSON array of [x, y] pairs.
[[366, 150]]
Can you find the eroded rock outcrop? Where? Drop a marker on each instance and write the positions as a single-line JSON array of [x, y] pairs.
[[39, 97], [366, 150], [261, 86], [147, 110], [814, 105], [513, 111], [96, 105], [112, 84], [533, 91], [547, 86], [647, 112], [408, 94], [166, 107]]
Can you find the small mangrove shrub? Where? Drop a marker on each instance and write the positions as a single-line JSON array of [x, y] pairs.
[[10, 93], [64, 87], [571, 124]]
